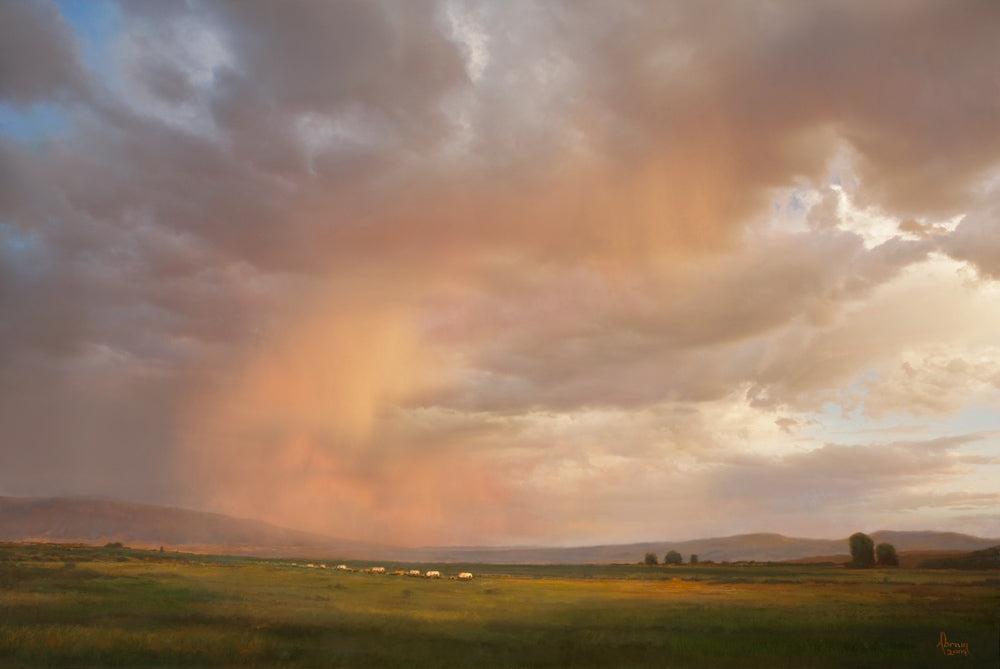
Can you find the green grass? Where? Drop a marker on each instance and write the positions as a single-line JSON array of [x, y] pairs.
[[65, 606]]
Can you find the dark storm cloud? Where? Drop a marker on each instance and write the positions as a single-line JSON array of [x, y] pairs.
[[911, 86]]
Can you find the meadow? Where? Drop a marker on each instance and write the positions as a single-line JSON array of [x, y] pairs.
[[75, 606]]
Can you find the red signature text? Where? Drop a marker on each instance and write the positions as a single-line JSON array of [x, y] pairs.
[[952, 647]]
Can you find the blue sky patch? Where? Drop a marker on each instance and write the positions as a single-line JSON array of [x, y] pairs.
[[32, 124], [96, 23]]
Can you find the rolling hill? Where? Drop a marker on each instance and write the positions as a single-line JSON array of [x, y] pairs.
[[100, 520], [988, 558], [92, 520]]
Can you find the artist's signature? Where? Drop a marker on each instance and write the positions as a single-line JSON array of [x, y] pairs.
[[952, 647]]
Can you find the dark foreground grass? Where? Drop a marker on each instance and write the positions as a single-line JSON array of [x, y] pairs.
[[77, 607]]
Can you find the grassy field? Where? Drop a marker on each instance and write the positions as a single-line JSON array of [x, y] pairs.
[[89, 607]]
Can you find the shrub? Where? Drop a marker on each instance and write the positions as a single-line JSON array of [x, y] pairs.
[[885, 555], [862, 550]]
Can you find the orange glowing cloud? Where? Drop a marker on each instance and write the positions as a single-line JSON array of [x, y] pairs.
[[296, 435]]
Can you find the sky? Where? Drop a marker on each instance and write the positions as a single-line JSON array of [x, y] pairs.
[[475, 273]]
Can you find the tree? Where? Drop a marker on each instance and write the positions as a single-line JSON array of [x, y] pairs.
[[651, 558], [862, 550], [694, 558], [673, 557], [885, 555]]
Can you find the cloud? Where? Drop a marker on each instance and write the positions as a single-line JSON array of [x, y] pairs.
[[975, 241], [935, 384], [823, 491], [786, 424], [429, 262], [39, 56], [927, 306]]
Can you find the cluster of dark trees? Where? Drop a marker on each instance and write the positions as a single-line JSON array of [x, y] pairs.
[[673, 557], [865, 554]]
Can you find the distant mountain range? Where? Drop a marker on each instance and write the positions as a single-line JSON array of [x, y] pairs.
[[762, 547], [100, 520]]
